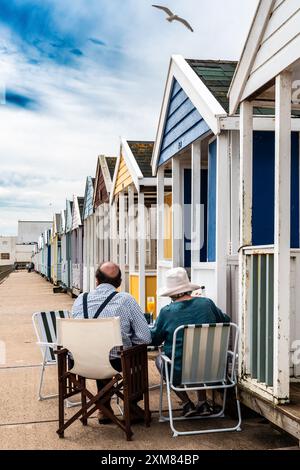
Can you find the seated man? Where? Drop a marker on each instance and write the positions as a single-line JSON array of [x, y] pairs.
[[134, 327], [183, 310]]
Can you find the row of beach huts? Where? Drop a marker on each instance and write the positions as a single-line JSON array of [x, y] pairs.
[[218, 193]]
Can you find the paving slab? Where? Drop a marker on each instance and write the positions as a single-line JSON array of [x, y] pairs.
[[43, 436], [22, 294]]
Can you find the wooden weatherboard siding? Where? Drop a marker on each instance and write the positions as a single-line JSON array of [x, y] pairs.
[[183, 125], [76, 216], [88, 198], [69, 208], [101, 193], [279, 47], [124, 178]]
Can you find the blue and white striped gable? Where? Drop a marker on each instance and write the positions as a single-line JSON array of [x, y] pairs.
[[69, 205], [183, 124], [88, 198]]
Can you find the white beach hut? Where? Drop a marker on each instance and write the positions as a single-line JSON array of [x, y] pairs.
[[268, 75]]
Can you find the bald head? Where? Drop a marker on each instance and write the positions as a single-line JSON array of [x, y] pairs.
[[109, 273]]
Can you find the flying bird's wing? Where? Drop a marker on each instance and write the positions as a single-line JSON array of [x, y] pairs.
[[186, 23], [165, 9]]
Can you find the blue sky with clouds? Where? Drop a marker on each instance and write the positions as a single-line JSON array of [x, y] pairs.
[[76, 75]]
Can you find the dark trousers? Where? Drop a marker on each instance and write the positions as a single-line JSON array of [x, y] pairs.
[[116, 364]]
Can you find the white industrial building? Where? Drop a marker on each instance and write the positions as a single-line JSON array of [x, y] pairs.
[[29, 231], [19, 249], [7, 250]]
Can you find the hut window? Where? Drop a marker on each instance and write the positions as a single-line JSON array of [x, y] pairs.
[[5, 256]]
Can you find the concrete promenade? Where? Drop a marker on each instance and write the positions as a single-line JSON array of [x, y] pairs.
[[26, 423]]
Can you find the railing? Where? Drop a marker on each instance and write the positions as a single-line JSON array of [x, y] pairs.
[[258, 361], [261, 306], [5, 272]]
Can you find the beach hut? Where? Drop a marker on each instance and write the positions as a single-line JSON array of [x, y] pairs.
[[47, 254], [43, 257], [268, 75], [77, 245], [103, 183], [37, 256], [63, 244], [199, 143], [66, 244], [133, 219], [89, 236], [56, 250], [196, 143]]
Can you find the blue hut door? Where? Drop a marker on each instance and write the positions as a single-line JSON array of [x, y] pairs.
[[187, 223], [69, 257], [211, 202], [49, 262], [264, 187], [187, 201]]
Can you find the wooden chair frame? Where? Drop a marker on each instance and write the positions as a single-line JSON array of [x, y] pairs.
[[130, 387]]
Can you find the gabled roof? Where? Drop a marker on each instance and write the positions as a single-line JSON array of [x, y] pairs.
[[81, 204], [105, 167], [251, 47], [272, 46], [63, 221], [56, 223], [77, 211], [142, 152], [137, 157], [216, 76], [69, 211], [88, 197], [111, 164], [199, 80]]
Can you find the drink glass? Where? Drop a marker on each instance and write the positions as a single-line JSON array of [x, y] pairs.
[[151, 306]]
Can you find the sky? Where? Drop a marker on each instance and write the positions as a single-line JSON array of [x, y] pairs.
[[76, 75]]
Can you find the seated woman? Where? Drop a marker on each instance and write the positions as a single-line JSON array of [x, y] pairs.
[[183, 310]]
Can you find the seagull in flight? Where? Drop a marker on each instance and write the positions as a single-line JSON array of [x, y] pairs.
[[171, 17]]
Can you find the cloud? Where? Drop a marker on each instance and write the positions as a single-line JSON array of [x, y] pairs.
[[49, 30], [76, 52], [84, 102], [98, 42], [14, 98]]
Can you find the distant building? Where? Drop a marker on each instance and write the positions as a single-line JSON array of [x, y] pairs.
[[24, 254], [7, 250], [28, 236], [29, 231]]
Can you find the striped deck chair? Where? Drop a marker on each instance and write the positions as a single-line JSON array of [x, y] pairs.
[[44, 324], [206, 364]]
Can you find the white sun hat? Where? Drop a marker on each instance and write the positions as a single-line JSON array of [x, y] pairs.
[[177, 282]]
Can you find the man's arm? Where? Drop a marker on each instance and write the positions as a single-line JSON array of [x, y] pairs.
[[77, 309], [141, 331]]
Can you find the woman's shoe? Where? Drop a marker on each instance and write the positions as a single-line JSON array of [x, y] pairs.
[[188, 409], [204, 409]]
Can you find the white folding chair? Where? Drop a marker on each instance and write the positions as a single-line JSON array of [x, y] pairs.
[[206, 364], [44, 324]]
